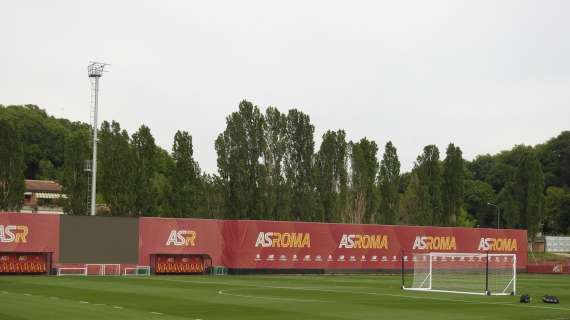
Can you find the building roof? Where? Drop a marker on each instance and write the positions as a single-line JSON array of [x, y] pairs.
[[43, 186]]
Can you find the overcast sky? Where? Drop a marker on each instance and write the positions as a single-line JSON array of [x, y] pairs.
[[485, 75]]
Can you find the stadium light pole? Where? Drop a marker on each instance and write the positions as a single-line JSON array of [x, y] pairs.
[[94, 71], [498, 214]]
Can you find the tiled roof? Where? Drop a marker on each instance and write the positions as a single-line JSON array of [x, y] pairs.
[[42, 186]]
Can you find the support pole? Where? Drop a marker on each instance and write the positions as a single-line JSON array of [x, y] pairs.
[[487, 275], [402, 269], [94, 71]]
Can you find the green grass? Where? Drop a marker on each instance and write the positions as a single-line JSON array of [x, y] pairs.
[[264, 297]]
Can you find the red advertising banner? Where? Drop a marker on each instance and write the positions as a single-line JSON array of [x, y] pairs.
[[301, 245], [298, 245], [21, 232], [181, 236]]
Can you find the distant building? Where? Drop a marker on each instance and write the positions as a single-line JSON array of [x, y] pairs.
[[43, 196]]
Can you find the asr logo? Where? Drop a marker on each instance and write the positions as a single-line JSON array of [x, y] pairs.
[[283, 240], [435, 243], [182, 238], [13, 234], [364, 241], [497, 244]]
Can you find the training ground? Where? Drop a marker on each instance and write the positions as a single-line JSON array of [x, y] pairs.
[[265, 297]]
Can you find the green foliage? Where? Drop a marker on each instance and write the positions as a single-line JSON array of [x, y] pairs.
[[116, 176], [429, 194], [11, 168], [464, 219], [299, 166], [557, 210], [528, 187], [453, 185], [331, 175], [240, 148], [364, 165], [389, 181], [268, 169], [74, 178], [144, 151], [185, 192], [42, 137], [476, 196], [554, 156], [277, 195]]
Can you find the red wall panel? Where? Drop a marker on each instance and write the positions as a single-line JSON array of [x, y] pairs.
[[301, 245], [344, 246], [21, 232], [180, 236]]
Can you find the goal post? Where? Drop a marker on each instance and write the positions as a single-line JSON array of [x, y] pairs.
[[467, 273], [137, 271]]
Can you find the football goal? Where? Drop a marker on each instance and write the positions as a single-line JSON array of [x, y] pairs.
[[137, 271], [79, 271], [103, 269], [469, 273]]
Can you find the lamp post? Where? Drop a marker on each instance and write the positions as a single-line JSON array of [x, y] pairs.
[[498, 214]]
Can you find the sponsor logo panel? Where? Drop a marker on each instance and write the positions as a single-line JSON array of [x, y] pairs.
[[13, 233], [283, 240], [363, 241], [186, 238], [498, 244], [446, 243]]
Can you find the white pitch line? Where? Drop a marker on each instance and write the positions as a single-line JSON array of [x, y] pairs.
[[27, 294], [84, 302], [158, 313], [363, 293], [225, 292], [117, 307]]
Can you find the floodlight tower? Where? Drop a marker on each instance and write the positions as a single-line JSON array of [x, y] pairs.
[[94, 71]]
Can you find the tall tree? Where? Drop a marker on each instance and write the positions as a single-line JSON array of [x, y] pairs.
[[144, 149], [453, 184], [331, 175], [528, 187], [428, 169], [185, 194], [240, 148], [299, 165], [74, 180], [389, 181], [276, 191], [116, 173], [557, 210], [364, 166], [12, 168]]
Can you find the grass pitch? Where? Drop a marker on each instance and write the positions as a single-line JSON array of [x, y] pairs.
[[264, 297]]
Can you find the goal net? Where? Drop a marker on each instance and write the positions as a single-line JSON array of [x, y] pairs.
[[470, 273], [137, 271]]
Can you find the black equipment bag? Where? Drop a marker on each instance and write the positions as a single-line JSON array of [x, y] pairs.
[[550, 299], [525, 298]]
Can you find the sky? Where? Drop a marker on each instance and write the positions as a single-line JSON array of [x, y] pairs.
[[485, 75]]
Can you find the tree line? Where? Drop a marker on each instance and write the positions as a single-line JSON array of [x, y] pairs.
[[270, 168]]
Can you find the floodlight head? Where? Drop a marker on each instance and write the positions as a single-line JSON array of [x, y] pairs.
[[96, 69]]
